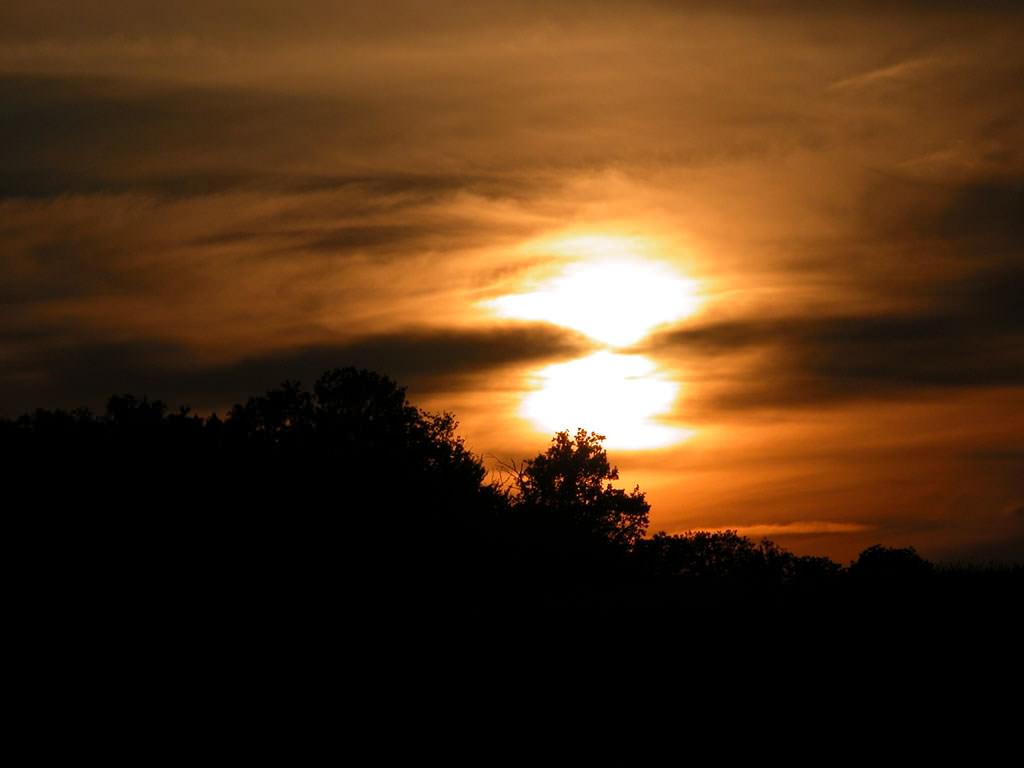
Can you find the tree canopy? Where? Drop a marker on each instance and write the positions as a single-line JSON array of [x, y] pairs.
[[571, 484]]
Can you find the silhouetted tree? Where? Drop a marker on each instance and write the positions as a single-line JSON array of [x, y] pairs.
[[570, 483], [722, 556], [392, 471], [879, 564], [726, 558], [129, 412], [362, 406]]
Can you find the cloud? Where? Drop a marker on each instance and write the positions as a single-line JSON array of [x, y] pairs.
[[426, 360], [89, 135], [57, 374], [923, 296], [895, 73], [548, 103], [796, 528], [974, 220], [972, 336]]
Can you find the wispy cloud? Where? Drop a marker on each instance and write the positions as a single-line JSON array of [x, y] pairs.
[[900, 72], [796, 528]]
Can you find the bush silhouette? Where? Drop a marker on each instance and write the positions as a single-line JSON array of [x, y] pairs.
[[879, 564], [726, 558]]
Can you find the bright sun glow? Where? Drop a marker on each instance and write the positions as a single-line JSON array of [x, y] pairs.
[[614, 301], [619, 396], [616, 290]]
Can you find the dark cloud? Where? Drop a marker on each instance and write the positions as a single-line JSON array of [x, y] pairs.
[[990, 211], [54, 373], [57, 374], [101, 135], [243, 20], [89, 135], [363, 236], [444, 235], [1006, 549], [1004, 454], [425, 360], [972, 219], [943, 264], [971, 336]]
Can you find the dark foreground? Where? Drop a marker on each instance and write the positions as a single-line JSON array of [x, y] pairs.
[[343, 527]]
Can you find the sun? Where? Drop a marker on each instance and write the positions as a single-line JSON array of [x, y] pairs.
[[620, 396], [617, 291], [615, 301]]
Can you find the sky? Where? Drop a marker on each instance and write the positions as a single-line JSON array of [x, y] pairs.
[[776, 258]]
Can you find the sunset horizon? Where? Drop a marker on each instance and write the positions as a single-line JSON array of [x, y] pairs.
[[775, 259]]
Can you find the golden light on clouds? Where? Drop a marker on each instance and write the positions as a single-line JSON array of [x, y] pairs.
[[619, 396], [500, 209]]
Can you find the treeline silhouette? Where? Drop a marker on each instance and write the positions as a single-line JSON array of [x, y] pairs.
[[348, 506]]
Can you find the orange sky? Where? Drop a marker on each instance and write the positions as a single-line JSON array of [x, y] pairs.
[[777, 258]]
